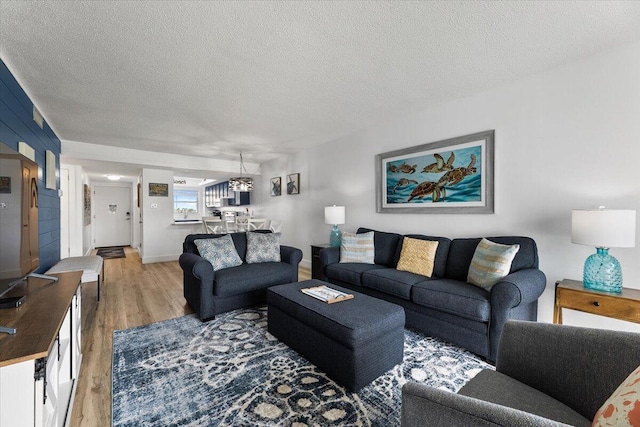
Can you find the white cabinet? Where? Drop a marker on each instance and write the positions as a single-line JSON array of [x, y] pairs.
[[39, 392]]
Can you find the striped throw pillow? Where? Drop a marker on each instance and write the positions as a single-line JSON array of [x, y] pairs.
[[417, 256], [491, 262], [357, 248]]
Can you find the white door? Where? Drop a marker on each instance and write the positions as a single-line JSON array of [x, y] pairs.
[[112, 215]]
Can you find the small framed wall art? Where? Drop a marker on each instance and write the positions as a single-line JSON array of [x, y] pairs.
[[293, 183], [158, 190], [276, 186]]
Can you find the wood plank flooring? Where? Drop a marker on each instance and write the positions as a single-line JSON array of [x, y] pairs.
[[131, 295]]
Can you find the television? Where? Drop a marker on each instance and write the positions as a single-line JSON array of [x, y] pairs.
[[19, 252]]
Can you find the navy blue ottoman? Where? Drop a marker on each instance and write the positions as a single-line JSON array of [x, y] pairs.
[[353, 341]]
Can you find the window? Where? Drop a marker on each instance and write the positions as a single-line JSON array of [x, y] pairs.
[[185, 204]]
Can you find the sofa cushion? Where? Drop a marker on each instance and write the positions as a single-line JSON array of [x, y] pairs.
[[357, 248], [490, 263], [453, 296], [250, 277], [440, 262], [461, 253], [622, 408], [417, 256], [387, 247], [220, 252], [498, 388], [391, 281], [349, 272], [263, 247]]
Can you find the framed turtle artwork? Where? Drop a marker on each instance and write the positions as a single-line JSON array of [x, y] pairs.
[[450, 176]]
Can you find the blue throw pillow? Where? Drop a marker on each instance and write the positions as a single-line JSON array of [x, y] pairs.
[[220, 252], [263, 247]]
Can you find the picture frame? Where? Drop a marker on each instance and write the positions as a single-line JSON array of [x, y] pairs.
[[5, 185], [87, 205], [450, 176], [293, 183], [158, 190], [276, 186]]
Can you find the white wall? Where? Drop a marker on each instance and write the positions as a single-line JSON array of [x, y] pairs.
[[565, 139]]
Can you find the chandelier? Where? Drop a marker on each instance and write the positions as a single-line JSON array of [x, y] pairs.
[[241, 183]]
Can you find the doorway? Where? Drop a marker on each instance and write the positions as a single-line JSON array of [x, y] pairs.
[[112, 215]]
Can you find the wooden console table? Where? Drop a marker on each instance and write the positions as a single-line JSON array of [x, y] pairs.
[[39, 365], [573, 295]]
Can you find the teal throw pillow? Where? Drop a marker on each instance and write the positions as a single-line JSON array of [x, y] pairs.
[[263, 247], [220, 252]]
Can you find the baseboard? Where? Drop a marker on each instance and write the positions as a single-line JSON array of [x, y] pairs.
[[305, 264], [160, 258], [88, 253]]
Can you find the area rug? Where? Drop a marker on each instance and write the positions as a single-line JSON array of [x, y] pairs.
[[111, 252], [231, 371]]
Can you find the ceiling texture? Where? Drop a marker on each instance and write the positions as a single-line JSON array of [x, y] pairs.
[[213, 79]]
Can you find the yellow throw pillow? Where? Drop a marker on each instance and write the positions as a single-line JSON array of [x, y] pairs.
[[417, 256], [622, 408], [491, 262]]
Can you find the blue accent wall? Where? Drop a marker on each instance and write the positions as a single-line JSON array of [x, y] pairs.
[[17, 124]]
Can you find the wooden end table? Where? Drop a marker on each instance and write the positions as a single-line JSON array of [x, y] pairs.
[[573, 295], [316, 264]]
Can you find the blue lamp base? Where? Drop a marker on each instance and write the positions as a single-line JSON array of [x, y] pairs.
[[602, 272], [335, 236]]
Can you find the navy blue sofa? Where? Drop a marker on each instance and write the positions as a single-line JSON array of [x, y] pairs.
[[446, 306], [211, 292]]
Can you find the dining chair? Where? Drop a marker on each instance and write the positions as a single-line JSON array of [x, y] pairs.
[[258, 224], [275, 226], [211, 225], [242, 223]]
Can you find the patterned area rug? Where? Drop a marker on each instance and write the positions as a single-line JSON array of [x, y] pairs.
[[231, 371], [110, 252]]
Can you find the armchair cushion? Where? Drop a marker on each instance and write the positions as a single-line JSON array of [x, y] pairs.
[[495, 387], [263, 247], [220, 252]]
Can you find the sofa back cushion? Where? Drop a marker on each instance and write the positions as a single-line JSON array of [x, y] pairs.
[[440, 263], [387, 247], [461, 253]]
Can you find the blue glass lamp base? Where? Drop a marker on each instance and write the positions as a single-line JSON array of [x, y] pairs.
[[602, 272], [335, 237]]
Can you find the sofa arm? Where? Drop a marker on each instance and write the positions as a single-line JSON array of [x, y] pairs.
[[514, 297], [198, 276], [579, 367], [521, 287], [329, 256], [290, 255], [427, 406]]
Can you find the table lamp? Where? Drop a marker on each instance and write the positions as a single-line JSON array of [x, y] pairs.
[[604, 229], [334, 215]]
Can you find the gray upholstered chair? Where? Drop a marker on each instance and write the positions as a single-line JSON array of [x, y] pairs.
[[546, 375]]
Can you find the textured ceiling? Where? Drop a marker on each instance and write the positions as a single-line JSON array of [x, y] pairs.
[[215, 78]]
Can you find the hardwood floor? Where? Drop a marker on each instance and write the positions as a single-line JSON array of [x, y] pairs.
[[131, 295]]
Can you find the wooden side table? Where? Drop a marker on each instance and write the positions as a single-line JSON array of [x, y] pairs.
[[573, 295], [316, 264]]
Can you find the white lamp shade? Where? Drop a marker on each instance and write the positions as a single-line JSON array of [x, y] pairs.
[[606, 228], [334, 215]]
